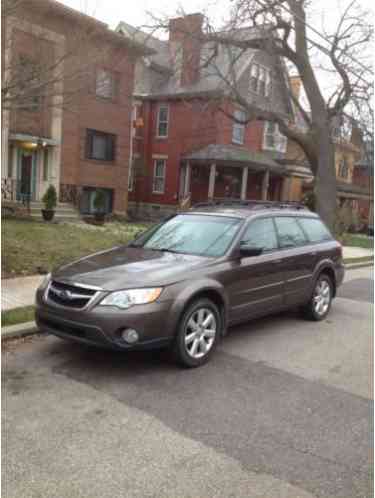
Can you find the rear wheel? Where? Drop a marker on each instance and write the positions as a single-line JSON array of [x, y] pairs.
[[320, 303], [198, 332]]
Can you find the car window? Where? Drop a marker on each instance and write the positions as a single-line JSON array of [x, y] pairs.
[[315, 229], [206, 235], [260, 233], [289, 232]]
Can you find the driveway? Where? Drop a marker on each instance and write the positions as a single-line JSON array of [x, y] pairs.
[[283, 410]]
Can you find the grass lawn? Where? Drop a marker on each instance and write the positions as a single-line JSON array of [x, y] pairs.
[[30, 247], [18, 315], [355, 240]]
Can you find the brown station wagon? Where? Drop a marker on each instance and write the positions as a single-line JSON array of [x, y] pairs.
[[183, 282]]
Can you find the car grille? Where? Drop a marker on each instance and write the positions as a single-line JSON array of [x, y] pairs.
[[71, 296]]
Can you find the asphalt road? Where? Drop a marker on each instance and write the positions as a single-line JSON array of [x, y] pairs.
[[284, 410]]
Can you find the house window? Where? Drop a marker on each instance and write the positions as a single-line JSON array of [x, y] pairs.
[[273, 139], [105, 84], [100, 145], [162, 122], [137, 120], [238, 133], [159, 176], [260, 80], [88, 198], [45, 164], [343, 169]]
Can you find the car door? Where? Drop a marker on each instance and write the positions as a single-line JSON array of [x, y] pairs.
[[256, 281], [298, 259]]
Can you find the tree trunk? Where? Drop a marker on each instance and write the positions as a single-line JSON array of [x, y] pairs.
[[325, 179]]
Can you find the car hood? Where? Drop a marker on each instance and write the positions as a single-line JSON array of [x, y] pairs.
[[129, 267]]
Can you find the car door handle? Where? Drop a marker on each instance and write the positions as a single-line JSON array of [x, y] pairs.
[[313, 253], [276, 261]]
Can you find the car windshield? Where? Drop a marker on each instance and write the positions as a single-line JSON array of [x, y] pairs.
[[205, 235]]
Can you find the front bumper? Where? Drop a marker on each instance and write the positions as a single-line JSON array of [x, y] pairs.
[[102, 326]]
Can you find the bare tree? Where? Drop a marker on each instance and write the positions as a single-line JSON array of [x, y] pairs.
[[280, 28], [55, 74]]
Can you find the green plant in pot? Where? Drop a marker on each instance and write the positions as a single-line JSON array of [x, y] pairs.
[[50, 201], [99, 206]]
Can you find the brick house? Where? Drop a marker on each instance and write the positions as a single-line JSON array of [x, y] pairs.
[[354, 168], [74, 132], [185, 149]]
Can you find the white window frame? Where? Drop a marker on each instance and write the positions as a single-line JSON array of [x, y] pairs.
[[154, 177], [238, 127], [101, 91], [260, 73], [280, 140], [158, 122]]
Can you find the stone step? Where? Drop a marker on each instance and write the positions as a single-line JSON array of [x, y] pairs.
[[59, 209]]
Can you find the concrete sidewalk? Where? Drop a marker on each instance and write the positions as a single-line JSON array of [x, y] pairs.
[[19, 292], [356, 252]]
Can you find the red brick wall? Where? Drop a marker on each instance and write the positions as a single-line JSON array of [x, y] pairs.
[[91, 47], [192, 125]]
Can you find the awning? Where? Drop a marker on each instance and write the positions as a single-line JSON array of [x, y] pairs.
[[23, 137], [230, 155]]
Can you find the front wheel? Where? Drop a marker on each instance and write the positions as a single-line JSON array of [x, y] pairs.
[[320, 303], [198, 332]]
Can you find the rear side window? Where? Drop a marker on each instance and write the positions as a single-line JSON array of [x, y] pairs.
[[315, 229], [260, 233], [289, 232]]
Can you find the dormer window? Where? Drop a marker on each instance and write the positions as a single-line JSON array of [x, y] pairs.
[[343, 169], [260, 80]]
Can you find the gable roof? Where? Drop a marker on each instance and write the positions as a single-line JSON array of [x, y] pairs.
[[229, 60]]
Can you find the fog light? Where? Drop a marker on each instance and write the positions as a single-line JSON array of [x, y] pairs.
[[130, 336]]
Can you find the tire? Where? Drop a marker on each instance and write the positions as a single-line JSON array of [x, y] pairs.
[[192, 337], [320, 302]]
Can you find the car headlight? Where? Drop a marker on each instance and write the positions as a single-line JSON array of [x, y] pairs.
[[126, 298], [45, 282]]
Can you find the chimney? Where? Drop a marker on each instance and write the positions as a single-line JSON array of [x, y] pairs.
[[185, 37], [295, 84]]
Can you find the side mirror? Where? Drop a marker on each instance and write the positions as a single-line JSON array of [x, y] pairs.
[[247, 251]]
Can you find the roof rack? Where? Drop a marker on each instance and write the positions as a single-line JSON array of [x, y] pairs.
[[252, 204]]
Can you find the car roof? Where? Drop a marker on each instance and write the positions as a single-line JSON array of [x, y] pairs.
[[247, 209]]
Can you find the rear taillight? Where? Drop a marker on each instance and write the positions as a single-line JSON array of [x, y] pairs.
[[339, 250]]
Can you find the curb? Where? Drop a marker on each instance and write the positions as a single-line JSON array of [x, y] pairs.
[[19, 330], [353, 266]]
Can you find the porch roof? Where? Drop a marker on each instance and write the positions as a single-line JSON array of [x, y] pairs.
[[23, 137], [231, 155]]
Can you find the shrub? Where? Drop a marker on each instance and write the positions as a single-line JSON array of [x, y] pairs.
[[99, 201], [50, 198]]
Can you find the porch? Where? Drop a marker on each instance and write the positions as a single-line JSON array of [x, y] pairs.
[[224, 171], [31, 165]]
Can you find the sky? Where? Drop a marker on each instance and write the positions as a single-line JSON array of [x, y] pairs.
[[135, 12]]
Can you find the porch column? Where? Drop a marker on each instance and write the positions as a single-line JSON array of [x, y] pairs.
[[187, 180], [211, 184], [245, 173], [285, 189], [265, 183]]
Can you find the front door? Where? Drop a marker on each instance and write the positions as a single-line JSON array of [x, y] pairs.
[[258, 281], [26, 175]]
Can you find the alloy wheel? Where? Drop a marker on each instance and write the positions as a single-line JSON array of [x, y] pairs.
[[200, 332], [322, 297]]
